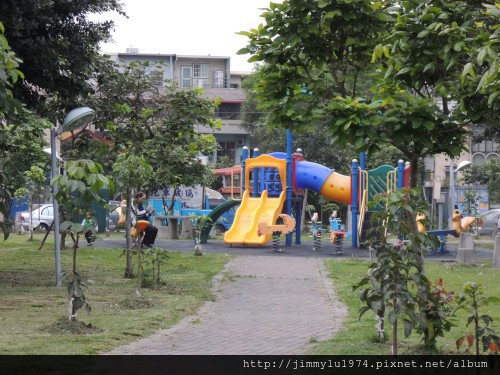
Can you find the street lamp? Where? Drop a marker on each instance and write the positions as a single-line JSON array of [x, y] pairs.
[[77, 118], [463, 164]]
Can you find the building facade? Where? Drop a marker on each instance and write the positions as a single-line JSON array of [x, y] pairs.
[[213, 75]]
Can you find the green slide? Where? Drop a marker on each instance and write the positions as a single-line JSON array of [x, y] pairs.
[[214, 216]]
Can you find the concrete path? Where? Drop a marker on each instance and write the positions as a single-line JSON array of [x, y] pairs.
[[264, 305]]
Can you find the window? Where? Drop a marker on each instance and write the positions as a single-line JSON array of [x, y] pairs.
[[200, 70], [226, 149], [229, 111], [485, 146], [48, 211], [218, 78], [478, 160], [483, 151], [186, 76]]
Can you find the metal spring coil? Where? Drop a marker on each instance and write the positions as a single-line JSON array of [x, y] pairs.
[[276, 242], [317, 240], [338, 244]]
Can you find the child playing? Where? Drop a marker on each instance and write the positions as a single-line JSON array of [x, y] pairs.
[[88, 225]]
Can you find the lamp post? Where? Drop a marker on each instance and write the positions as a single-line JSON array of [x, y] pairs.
[[77, 118], [463, 164]]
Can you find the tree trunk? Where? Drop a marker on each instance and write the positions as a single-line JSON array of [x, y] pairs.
[[129, 270], [395, 331], [75, 247], [395, 338], [139, 270], [30, 208], [63, 240], [414, 171]]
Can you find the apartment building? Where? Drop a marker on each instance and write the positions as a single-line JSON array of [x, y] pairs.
[[214, 76]]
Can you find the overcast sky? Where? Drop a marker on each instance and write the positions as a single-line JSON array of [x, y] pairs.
[[187, 27]]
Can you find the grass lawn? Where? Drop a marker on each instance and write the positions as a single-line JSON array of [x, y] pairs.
[[357, 336], [33, 312], [34, 318]]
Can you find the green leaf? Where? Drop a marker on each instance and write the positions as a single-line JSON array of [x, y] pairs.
[[323, 3], [91, 166], [404, 70], [430, 67], [469, 69], [408, 327], [481, 55], [458, 46], [423, 34], [430, 329], [393, 316]]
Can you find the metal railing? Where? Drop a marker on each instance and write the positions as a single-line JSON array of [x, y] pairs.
[[204, 83]]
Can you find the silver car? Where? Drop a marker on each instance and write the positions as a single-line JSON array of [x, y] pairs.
[[489, 222], [43, 217]]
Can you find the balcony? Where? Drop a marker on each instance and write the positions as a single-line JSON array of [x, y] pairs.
[[204, 83]]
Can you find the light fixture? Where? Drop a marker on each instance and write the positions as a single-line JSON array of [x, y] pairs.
[[48, 150], [463, 164], [77, 118]]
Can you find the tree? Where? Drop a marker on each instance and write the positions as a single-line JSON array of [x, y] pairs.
[[481, 75], [153, 127], [486, 175], [128, 170], [59, 46], [20, 131], [77, 190], [328, 47], [437, 50], [157, 122], [313, 52], [396, 286]]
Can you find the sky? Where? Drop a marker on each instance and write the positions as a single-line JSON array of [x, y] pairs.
[[186, 27]]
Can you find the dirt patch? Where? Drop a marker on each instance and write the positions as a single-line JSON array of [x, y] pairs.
[[136, 303], [63, 327], [20, 278]]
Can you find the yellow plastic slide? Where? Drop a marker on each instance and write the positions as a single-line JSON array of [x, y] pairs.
[[251, 212]]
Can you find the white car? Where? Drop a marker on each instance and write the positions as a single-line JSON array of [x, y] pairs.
[[489, 221], [43, 217]]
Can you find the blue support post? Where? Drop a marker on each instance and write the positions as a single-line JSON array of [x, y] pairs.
[[401, 173], [255, 192], [244, 157], [362, 161], [289, 191], [354, 201]]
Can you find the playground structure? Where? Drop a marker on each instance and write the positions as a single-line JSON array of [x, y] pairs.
[[276, 230], [272, 183], [459, 225]]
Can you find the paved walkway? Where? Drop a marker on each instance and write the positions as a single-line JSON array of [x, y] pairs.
[[263, 306]]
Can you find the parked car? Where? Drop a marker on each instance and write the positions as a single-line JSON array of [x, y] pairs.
[[43, 216], [489, 221]]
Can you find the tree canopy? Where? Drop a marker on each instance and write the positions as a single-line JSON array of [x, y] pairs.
[[321, 57], [21, 133], [155, 122], [59, 46]]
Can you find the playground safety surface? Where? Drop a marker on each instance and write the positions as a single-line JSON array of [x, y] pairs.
[[305, 249]]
